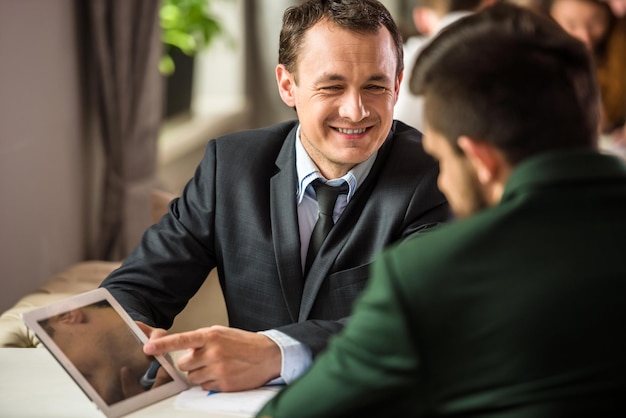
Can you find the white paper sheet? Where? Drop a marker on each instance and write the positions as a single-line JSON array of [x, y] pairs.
[[247, 402]]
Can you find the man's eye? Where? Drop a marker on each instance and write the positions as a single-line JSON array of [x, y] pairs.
[[331, 88], [376, 88]]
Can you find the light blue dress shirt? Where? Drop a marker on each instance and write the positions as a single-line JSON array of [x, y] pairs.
[[297, 358]]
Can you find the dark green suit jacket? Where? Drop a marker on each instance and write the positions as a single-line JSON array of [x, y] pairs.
[[519, 311]]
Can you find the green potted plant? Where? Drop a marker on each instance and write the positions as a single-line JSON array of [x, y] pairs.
[[187, 27]]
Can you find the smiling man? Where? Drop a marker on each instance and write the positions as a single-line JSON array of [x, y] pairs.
[[252, 206]]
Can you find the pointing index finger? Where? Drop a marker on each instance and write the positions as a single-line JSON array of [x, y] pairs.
[[174, 342]]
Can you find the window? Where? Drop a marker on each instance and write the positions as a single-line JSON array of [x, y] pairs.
[[218, 101]]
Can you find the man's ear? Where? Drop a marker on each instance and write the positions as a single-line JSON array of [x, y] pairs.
[[398, 82], [286, 84], [484, 157]]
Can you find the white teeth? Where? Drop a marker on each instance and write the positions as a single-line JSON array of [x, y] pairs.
[[351, 131]]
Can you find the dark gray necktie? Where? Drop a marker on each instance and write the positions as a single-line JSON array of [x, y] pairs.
[[326, 198]]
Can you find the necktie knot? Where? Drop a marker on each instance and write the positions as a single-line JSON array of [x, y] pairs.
[[327, 196]]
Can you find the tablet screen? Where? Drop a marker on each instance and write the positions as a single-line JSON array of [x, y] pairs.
[[101, 348]]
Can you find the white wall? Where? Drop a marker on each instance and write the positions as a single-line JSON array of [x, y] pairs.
[[41, 152]]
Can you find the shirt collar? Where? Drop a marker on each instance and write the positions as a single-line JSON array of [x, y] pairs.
[[308, 171]]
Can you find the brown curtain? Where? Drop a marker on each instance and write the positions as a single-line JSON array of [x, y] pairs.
[[122, 47], [263, 20]]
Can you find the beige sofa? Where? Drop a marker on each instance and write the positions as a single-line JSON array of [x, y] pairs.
[[204, 309]]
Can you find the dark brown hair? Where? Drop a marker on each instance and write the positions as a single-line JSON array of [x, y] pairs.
[[364, 16]]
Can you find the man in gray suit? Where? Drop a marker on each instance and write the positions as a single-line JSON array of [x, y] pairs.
[[251, 207]]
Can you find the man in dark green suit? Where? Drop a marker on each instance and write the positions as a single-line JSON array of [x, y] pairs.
[[518, 309]]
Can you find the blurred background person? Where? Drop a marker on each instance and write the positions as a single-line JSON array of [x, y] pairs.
[[618, 7], [429, 18], [604, 34]]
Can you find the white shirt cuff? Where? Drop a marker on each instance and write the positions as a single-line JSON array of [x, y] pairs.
[[296, 357]]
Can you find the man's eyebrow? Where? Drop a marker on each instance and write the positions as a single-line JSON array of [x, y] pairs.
[[338, 77], [380, 77], [330, 77]]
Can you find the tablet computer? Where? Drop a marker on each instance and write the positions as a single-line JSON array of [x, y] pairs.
[[101, 348]]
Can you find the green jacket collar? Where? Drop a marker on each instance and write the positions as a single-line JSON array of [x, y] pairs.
[[562, 167]]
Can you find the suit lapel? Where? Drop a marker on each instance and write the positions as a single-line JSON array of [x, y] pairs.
[[319, 269], [285, 230]]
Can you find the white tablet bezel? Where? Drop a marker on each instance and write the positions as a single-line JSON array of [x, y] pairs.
[[32, 319]]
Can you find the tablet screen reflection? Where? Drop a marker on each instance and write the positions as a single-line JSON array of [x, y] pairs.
[[105, 351]]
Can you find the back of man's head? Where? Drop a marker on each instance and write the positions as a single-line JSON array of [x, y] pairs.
[[510, 77]]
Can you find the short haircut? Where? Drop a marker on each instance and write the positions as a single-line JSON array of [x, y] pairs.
[[510, 77], [362, 16]]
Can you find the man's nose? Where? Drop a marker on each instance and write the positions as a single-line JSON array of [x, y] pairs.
[[352, 107]]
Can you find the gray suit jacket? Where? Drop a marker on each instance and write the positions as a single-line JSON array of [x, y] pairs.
[[238, 213]]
